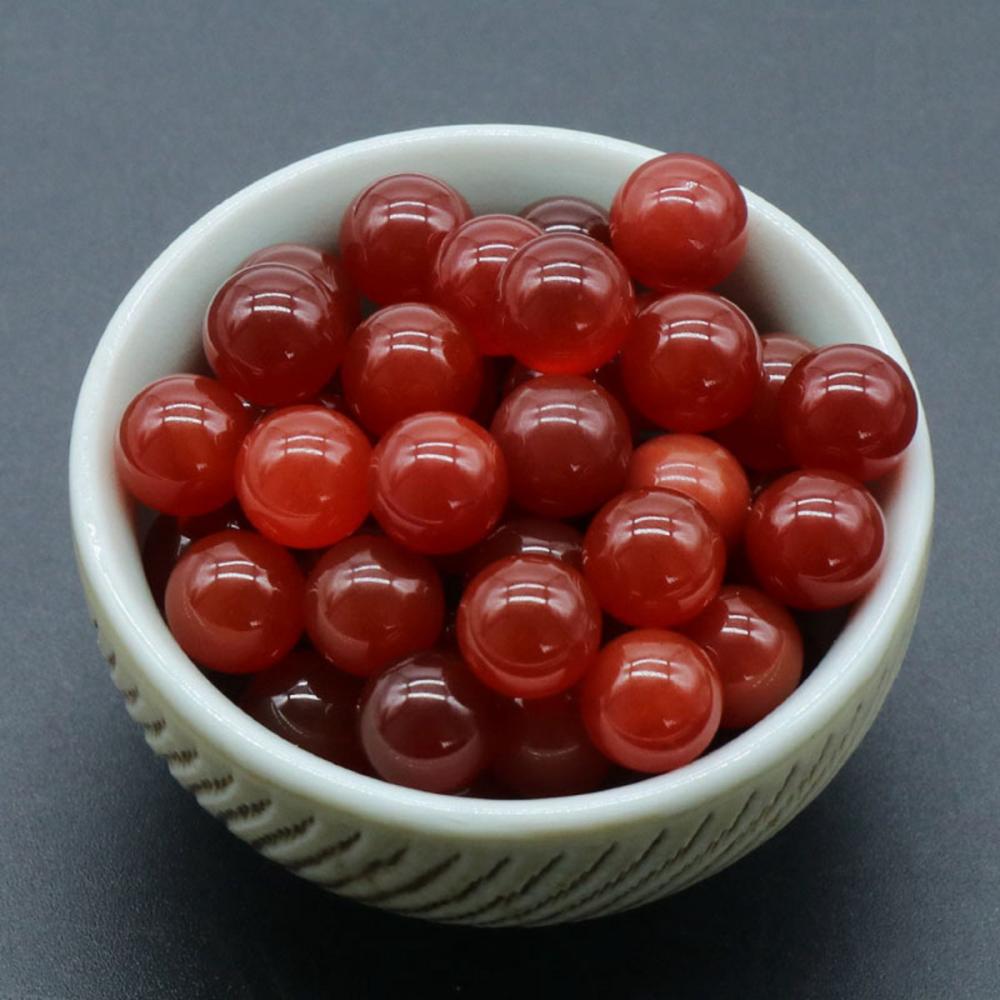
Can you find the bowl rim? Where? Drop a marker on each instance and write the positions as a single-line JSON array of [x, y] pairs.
[[850, 662]]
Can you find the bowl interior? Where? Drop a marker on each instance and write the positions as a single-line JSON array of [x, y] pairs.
[[788, 281]]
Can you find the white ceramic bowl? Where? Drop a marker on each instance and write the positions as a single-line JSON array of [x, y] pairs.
[[459, 859]]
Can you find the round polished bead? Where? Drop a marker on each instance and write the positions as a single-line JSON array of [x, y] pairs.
[[274, 334], [234, 602], [544, 749], [391, 232], [168, 539], [567, 304], [849, 407], [309, 703], [438, 482], [427, 723], [567, 444], [653, 558], [528, 626], [565, 213], [177, 444], [370, 602], [679, 221], [756, 648], [653, 700], [756, 438], [467, 273], [408, 358], [699, 468], [320, 264], [525, 536], [692, 362], [815, 540], [302, 476]]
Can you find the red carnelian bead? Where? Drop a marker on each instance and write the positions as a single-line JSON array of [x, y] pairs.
[[850, 408], [544, 750], [305, 701], [526, 536], [234, 602], [406, 359], [567, 304], [528, 626], [653, 700], [755, 438], [699, 468], [302, 476], [391, 233], [426, 723], [467, 273], [168, 539], [567, 443], [692, 362], [438, 482], [323, 266], [679, 221], [653, 557], [274, 334], [756, 648], [565, 213], [370, 602], [815, 540], [177, 444]]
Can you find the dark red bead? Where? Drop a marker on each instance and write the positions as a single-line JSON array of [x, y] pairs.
[[565, 213], [427, 723], [307, 702], [391, 233]]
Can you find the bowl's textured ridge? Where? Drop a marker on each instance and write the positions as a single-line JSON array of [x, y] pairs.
[[494, 884]]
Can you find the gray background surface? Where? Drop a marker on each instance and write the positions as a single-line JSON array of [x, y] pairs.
[[877, 125]]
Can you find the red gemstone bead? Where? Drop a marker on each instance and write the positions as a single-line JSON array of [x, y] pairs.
[[653, 700], [567, 444], [755, 438], [467, 273], [168, 539], [320, 264], [234, 602], [370, 602], [525, 536], [565, 213], [427, 723], [544, 749], [528, 626], [815, 540], [850, 408], [274, 334], [408, 358], [309, 703], [756, 648], [693, 362], [177, 444], [567, 304], [679, 221], [438, 482], [699, 468], [302, 476], [391, 233], [653, 557]]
